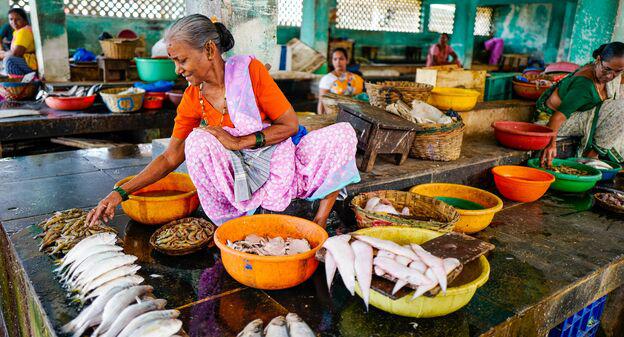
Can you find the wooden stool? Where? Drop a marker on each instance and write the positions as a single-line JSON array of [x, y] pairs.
[[378, 132], [113, 70]]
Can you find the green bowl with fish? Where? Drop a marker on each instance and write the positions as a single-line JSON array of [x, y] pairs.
[[580, 182], [607, 174]]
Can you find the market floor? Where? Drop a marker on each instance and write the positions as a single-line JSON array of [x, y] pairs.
[[552, 258]]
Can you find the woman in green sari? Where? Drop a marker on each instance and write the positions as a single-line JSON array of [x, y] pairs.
[[588, 104]]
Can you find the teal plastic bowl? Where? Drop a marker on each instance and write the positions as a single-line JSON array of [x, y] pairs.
[[568, 182], [606, 174], [152, 70]]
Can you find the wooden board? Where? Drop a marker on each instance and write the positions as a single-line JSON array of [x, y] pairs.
[[465, 79], [304, 57], [451, 245]]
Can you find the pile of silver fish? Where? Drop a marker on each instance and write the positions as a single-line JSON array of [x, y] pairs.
[[378, 205], [595, 163], [409, 264], [264, 246], [97, 271], [290, 326], [66, 228], [75, 91]]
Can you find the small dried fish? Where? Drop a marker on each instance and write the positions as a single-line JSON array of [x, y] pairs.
[[182, 235]]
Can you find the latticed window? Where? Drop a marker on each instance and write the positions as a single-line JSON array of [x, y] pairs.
[[140, 9], [483, 21], [289, 12], [379, 15], [20, 3], [441, 18]]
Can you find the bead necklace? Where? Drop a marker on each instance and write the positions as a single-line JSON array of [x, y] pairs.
[[201, 102]]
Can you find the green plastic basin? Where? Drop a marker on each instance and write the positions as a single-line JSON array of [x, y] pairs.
[[567, 182], [461, 203], [606, 174], [152, 70]]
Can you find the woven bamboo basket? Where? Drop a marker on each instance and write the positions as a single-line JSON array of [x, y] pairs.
[[439, 144], [208, 227], [122, 103], [119, 49], [425, 212], [330, 103], [384, 93], [607, 206], [15, 90]]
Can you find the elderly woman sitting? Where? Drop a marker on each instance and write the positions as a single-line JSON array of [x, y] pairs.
[[20, 59], [234, 128]]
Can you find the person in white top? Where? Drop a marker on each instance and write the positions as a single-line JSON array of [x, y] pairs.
[[339, 81]]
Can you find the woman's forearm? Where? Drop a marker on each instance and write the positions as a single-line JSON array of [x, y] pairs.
[[154, 171], [555, 122], [274, 134]]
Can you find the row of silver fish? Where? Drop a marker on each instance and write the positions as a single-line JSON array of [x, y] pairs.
[[97, 271], [409, 264], [75, 91], [290, 326]]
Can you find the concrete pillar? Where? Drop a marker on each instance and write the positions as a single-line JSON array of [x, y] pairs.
[[593, 26], [253, 23], [315, 25], [463, 30], [48, 25], [555, 30], [618, 29]]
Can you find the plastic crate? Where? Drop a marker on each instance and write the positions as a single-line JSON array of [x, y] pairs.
[[584, 323], [498, 86]]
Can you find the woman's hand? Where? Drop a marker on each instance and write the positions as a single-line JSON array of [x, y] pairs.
[[550, 153], [105, 209], [227, 140]]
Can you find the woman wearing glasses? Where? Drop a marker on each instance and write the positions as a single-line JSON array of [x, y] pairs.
[[588, 104]]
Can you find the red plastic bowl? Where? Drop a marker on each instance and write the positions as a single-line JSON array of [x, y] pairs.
[[528, 90], [156, 94], [522, 136], [70, 103], [523, 184], [175, 97], [153, 102]]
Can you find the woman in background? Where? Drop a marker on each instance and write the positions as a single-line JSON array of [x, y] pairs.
[[339, 81], [440, 52], [20, 59]]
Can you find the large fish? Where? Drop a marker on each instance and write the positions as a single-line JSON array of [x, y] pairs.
[[79, 258], [144, 319], [330, 269], [252, 329], [400, 271], [102, 268], [77, 269], [124, 281], [132, 311], [433, 262], [297, 327], [363, 267], [118, 303], [87, 243], [449, 265], [388, 245], [276, 328], [108, 276], [90, 314], [159, 328], [340, 249]]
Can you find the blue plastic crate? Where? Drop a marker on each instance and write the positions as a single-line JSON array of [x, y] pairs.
[[584, 323]]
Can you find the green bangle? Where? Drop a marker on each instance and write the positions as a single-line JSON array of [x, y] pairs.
[[122, 192], [260, 140]]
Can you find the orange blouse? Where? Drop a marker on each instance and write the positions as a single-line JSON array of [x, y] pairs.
[[270, 100]]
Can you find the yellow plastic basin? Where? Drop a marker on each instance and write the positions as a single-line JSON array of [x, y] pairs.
[[458, 294], [453, 98], [157, 210], [470, 221]]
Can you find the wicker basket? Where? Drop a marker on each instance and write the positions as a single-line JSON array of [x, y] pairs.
[[330, 102], [122, 103], [384, 93], [425, 212], [442, 144], [208, 226], [607, 206], [119, 49], [14, 90]]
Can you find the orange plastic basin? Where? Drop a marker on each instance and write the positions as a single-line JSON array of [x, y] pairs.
[[152, 210], [523, 184], [269, 272]]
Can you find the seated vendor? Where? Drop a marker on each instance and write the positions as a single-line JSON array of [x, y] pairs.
[[234, 127], [440, 52], [20, 59], [588, 104], [339, 81], [494, 46]]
